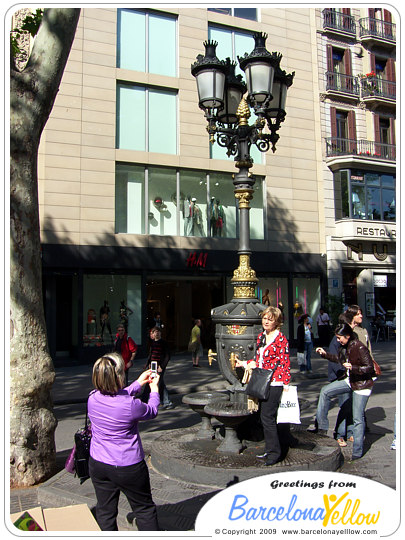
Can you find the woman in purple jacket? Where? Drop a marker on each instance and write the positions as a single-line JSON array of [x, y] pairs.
[[116, 455]]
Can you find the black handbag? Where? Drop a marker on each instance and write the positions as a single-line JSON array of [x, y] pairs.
[[258, 385], [82, 452]]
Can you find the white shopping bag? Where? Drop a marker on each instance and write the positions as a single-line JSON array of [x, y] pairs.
[[302, 361], [289, 408]]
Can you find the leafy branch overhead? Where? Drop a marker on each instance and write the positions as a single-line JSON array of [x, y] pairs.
[[30, 25]]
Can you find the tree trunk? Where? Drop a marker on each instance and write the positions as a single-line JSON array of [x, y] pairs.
[[32, 95]]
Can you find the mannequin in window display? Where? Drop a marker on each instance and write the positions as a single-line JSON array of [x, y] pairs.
[[188, 216], [213, 215], [125, 312], [217, 217], [198, 226], [91, 322], [266, 298], [105, 319]]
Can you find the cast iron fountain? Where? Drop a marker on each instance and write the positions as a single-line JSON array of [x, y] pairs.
[[202, 454]]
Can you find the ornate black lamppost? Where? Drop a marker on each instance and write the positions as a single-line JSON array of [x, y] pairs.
[[221, 97]]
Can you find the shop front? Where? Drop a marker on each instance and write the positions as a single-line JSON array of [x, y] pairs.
[[85, 302]]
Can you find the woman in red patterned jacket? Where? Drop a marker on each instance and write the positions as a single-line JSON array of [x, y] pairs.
[[272, 351]]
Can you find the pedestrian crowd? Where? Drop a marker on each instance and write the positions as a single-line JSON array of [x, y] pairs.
[[115, 407]]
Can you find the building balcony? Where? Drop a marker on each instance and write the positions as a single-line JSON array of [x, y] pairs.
[[337, 22], [342, 85], [375, 31], [351, 152], [376, 90]]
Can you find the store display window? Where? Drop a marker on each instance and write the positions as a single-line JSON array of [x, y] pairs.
[[107, 301]]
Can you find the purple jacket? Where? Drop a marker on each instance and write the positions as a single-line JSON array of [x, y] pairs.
[[114, 425]]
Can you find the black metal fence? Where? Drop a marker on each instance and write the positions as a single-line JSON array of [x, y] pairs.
[[340, 147], [377, 28], [338, 21]]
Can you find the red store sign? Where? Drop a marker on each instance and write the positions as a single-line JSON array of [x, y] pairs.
[[196, 259]]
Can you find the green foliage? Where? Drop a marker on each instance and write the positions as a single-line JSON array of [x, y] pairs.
[[334, 307], [30, 25]]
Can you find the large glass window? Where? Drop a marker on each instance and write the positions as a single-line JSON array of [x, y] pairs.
[[243, 13], [167, 202], [231, 44], [306, 299], [193, 203], [139, 119], [162, 204], [107, 301], [222, 206], [364, 195], [129, 199], [140, 35]]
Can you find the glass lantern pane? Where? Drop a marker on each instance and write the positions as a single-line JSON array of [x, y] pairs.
[[259, 77]]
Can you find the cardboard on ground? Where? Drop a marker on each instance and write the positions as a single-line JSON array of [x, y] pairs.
[[66, 518]]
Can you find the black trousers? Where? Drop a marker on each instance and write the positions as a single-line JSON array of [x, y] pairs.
[[133, 481], [268, 417]]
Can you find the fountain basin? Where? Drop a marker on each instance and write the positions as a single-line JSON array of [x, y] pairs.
[[198, 402], [178, 454], [231, 415]]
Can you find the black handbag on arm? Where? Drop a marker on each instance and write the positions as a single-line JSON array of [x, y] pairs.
[[258, 385], [82, 453]]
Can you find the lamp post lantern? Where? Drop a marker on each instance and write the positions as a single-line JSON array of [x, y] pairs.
[[221, 97]]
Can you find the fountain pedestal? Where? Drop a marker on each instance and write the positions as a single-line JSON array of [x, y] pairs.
[[231, 415], [198, 402]]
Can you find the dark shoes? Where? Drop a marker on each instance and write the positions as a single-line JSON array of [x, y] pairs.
[[271, 462], [168, 406], [318, 431]]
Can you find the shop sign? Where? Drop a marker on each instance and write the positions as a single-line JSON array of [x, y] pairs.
[[196, 259], [376, 232], [380, 280]]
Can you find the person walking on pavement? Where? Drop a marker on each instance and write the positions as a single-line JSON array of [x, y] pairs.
[[354, 315], [356, 359], [116, 460], [305, 341], [195, 343], [322, 322], [160, 353], [126, 347]]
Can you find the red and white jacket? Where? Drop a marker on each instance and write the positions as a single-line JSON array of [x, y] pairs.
[[277, 350]]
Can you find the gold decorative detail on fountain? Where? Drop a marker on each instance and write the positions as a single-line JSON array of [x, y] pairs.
[[244, 272], [236, 329], [232, 360], [244, 197], [211, 356], [243, 112], [244, 278]]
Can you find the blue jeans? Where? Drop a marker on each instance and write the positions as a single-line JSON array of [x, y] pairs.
[[308, 350], [359, 423], [331, 390]]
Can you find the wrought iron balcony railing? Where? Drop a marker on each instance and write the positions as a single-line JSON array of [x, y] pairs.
[[336, 20], [362, 148], [374, 86], [378, 29], [339, 82]]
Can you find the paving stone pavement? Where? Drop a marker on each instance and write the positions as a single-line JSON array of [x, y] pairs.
[[178, 502]]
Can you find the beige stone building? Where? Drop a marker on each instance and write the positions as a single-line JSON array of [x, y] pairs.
[[125, 155], [357, 74]]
